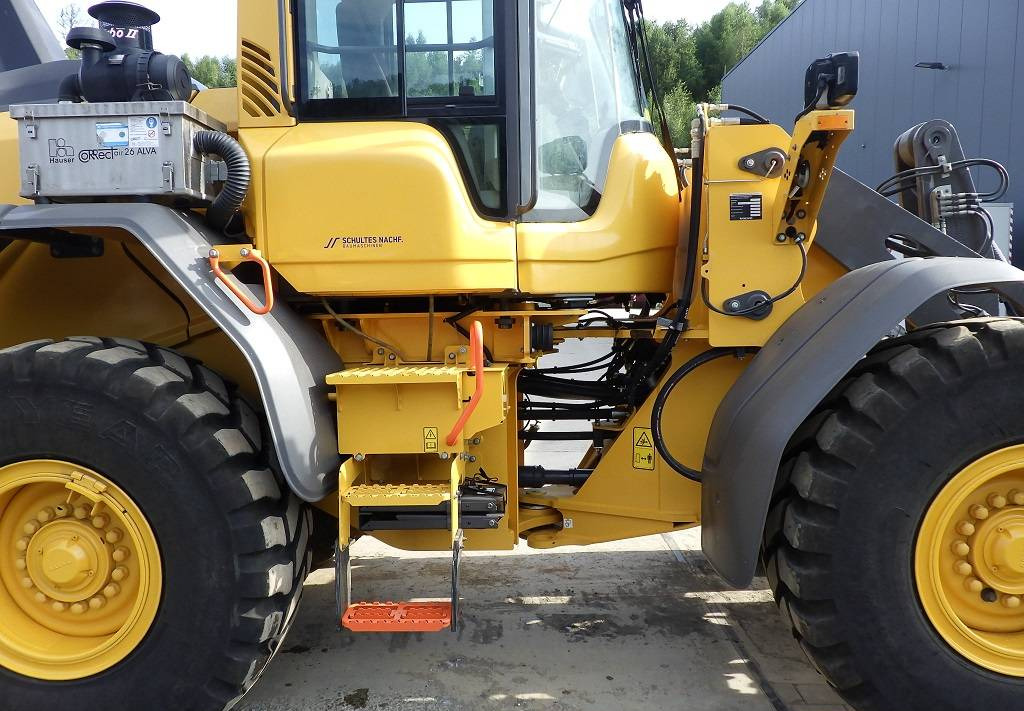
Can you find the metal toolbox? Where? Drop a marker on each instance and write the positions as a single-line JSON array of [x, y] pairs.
[[124, 149]]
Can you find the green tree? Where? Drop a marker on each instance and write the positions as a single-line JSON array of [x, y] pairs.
[[213, 72], [689, 62], [71, 16]]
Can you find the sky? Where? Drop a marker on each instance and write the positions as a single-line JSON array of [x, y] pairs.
[[179, 32]]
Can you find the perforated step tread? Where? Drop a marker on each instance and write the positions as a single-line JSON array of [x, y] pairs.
[[398, 617], [398, 374], [398, 494]]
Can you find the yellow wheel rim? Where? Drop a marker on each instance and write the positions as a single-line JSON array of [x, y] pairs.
[[80, 575], [969, 562]]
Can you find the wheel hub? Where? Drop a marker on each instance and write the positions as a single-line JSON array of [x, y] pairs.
[[68, 561], [970, 561], [79, 571]]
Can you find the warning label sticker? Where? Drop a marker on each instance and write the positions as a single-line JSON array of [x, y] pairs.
[[429, 439], [142, 132], [643, 449]]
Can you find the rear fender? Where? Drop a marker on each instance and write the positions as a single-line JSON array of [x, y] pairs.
[[289, 359]]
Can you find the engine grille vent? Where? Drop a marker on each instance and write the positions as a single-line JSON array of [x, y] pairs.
[[257, 81]]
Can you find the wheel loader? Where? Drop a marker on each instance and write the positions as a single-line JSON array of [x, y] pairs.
[[243, 328]]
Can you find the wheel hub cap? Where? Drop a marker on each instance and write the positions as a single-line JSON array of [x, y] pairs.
[[80, 574], [969, 561]]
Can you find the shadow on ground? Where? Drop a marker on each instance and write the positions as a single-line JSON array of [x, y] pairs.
[[637, 624]]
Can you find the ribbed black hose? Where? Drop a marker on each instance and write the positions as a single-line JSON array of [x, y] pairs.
[[219, 214]]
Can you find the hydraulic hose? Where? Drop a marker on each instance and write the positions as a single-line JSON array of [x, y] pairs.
[[224, 207], [658, 411]]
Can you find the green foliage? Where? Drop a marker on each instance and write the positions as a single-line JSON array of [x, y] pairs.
[[213, 72], [689, 61]]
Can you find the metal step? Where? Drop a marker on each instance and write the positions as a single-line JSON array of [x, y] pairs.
[[397, 494], [397, 617]]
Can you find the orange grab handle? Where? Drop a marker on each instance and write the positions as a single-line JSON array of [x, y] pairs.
[[476, 347], [268, 286]]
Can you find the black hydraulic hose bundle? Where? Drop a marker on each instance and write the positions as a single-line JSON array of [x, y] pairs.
[[224, 207]]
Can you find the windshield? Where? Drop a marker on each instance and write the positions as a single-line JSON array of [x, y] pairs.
[[587, 96]]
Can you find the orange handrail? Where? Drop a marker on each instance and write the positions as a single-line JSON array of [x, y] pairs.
[[247, 256], [476, 347]]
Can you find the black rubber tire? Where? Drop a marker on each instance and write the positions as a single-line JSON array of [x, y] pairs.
[[854, 488], [190, 453]]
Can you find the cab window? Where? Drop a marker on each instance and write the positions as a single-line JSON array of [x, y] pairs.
[[443, 72]]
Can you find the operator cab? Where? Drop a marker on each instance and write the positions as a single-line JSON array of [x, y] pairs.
[[532, 124]]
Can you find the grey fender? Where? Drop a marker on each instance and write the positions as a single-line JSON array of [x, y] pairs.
[[289, 360], [789, 377]]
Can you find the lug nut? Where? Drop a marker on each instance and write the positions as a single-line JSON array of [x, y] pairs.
[[78, 608], [80, 512], [41, 598], [1017, 497], [979, 512], [1011, 601], [960, 548], [996, 501], [31, 527], [111, 590], [22, 544], [120, 554], [100, 521], [113, 535], [974, 585], [119, 573], [58, 606], [965, 528], [45, 515], [26, 582], [20, 564], [97, 602], [962, 567]]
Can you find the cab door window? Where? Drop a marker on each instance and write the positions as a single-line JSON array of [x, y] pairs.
[[443, 72], [449, 48]]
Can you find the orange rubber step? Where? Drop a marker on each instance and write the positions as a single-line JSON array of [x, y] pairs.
[[398, 617]]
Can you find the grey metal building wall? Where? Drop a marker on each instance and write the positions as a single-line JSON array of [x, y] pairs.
[[981, 92]]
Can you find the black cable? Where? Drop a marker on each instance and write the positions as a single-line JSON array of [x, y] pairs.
[[822, 86], [658, 411], [757, 307], [453, 321], [640, 29], [752, 114]]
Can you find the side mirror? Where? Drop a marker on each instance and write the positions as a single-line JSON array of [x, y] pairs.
[[564, 156]]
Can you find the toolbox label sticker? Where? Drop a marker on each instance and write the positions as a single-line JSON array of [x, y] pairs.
[[745, 207], [113, 134], [429, 439], [143, 132], [643, 449]]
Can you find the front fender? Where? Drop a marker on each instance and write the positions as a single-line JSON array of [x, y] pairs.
[[290, 360], [789, 377]]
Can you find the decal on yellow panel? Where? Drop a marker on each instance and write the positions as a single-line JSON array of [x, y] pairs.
[[629, 244], [378, 208], [643, 449], [429, 439]]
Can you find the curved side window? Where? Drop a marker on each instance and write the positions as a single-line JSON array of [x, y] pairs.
[[587, 96]]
